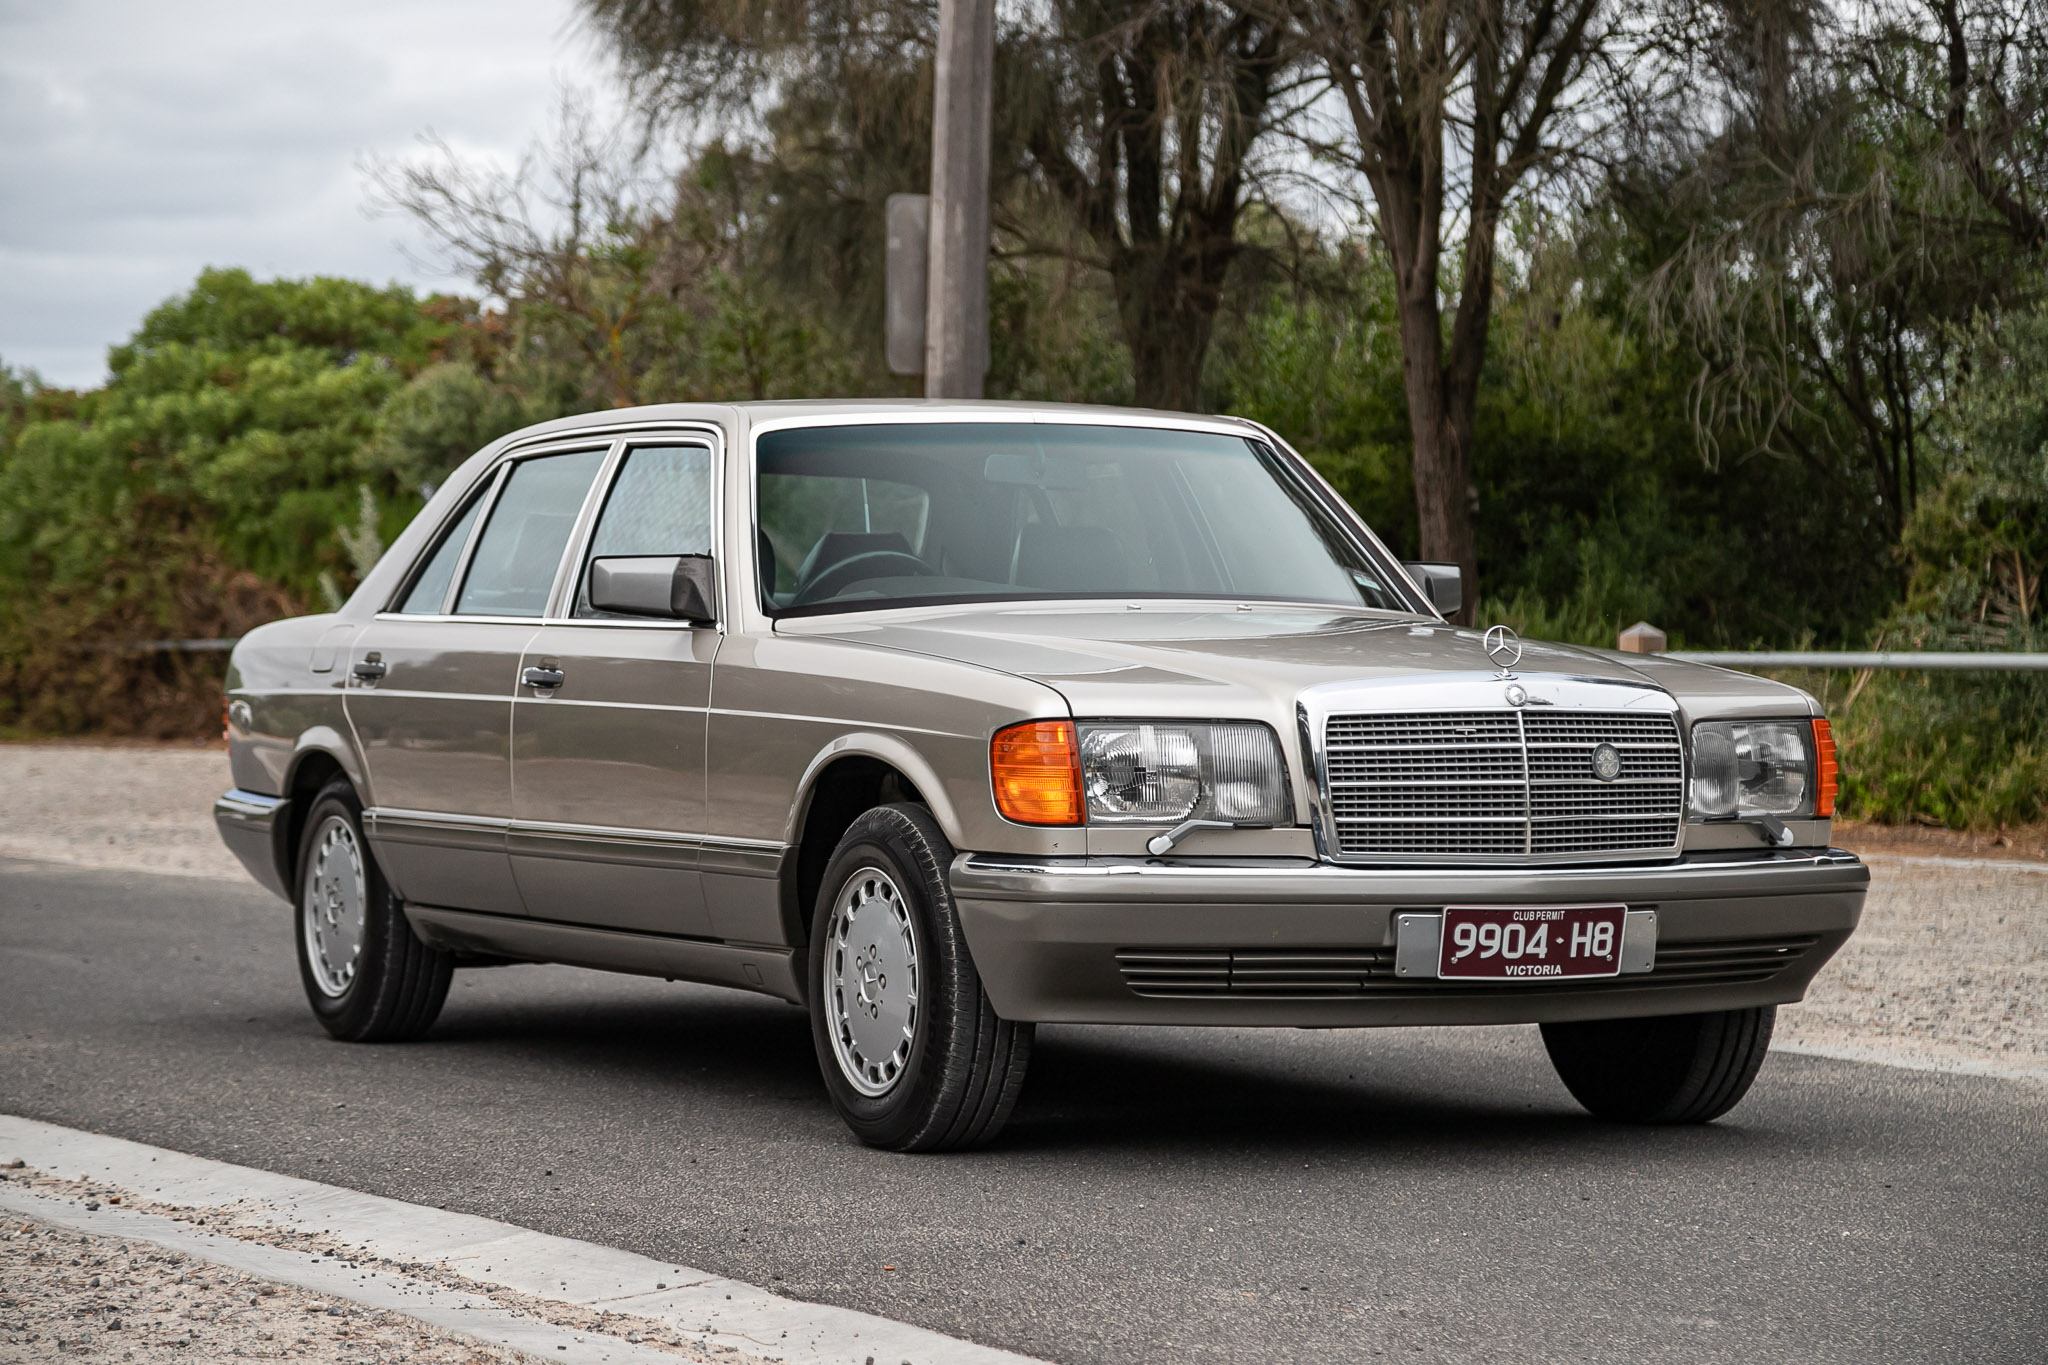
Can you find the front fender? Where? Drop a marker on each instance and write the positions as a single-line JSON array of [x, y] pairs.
[[886, 748]]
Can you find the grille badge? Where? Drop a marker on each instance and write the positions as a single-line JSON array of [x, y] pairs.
[[1515, 694], [1606, 762]]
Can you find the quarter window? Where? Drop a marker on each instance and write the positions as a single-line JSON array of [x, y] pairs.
[[521, 547], [430, 590]]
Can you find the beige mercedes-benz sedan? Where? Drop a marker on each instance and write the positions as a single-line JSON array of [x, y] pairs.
[[941, 720]]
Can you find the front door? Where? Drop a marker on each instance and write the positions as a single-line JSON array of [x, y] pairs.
[[609, 722], [430, 685]]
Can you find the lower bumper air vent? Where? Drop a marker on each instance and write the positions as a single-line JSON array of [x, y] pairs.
[[1368, 973], [1267, 973]]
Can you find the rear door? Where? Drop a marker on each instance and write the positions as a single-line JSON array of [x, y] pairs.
[[608, 756], [431, 680]]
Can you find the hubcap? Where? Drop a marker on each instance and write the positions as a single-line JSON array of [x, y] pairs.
[[871, 978], [332, 911]]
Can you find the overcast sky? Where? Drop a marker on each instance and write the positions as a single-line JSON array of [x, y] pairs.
[[142, 140]]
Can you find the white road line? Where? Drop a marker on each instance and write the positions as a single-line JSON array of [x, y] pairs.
[[726, 1312], [1881, 1056], [471, 1315]]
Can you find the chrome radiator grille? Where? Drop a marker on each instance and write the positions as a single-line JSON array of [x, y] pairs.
[[1502, 784]]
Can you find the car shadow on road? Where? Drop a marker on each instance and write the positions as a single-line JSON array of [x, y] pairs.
[[1093, 1091], [1089, 1088]]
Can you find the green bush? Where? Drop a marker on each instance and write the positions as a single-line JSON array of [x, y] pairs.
[[1970, 750], [200, 492]]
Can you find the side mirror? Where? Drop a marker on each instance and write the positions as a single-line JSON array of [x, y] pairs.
[[674, 587], [1442, 584]]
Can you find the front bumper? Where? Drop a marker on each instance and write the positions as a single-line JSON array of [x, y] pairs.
[[1285, 942], [253, 826]]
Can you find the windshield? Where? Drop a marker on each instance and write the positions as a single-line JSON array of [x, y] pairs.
[[862, 516]]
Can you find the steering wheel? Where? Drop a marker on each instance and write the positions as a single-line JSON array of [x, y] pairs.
[[853, 569]]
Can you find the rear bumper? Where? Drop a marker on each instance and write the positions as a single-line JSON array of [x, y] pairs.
[[1312, 945], [253, 827]]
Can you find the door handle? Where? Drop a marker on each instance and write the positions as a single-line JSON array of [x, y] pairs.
[[369, 669], [546, 679]]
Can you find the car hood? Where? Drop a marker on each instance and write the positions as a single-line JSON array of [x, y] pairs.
[[1124, 659]]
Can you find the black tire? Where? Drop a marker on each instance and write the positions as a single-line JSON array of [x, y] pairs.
[[1679, 1068], [394, 985], [958, 1081]]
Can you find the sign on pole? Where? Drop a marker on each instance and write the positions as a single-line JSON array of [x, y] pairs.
[[903, 281]]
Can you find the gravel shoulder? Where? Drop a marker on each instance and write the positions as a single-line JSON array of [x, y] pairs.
[[1949, 969], [66, 1295], [133, 807]]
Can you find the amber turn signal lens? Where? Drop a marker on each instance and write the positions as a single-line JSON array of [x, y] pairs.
[[1830, 771], [1037, 772]]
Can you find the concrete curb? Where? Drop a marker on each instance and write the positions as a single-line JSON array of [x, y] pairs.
[[723, 1312]]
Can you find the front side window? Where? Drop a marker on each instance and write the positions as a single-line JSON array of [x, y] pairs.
[[521, 547], [660, 504], [854, 516]]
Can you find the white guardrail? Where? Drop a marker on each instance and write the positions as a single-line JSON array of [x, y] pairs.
[[1644, 638], [1825, 658]]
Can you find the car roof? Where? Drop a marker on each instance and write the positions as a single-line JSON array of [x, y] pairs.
[[755, 413]]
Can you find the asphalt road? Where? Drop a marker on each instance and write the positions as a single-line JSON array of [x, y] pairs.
[[1162, 1195]]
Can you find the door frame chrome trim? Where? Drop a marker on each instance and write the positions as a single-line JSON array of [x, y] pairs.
[[608, 438], [563, 587]]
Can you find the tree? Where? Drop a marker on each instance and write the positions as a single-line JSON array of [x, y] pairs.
[[1126, 133], [1991, 100], [564, 235], [1142, 120], [1865, 192], [620, 284], [1446, 98]]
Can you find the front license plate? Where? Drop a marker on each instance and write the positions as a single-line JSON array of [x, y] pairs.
[[1531, 942]]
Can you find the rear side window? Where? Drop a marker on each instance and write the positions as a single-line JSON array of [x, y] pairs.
[[521, 547], [430, 589], [660, 504]]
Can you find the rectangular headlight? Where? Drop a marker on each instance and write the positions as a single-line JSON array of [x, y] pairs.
[[1747, 768], [1144, 772]]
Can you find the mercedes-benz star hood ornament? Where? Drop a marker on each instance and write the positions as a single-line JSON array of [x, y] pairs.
[[1504, 647]]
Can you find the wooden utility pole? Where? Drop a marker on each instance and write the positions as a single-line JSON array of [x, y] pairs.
[[956, 300]]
